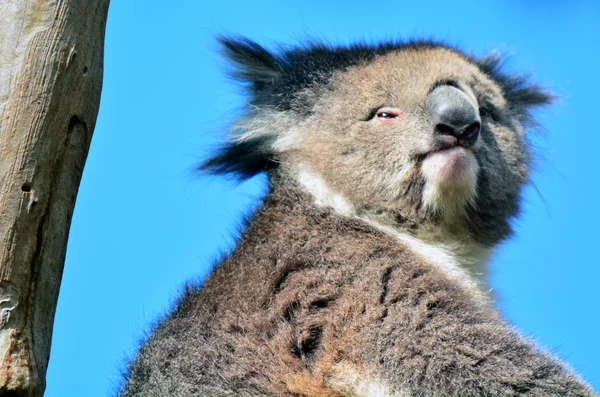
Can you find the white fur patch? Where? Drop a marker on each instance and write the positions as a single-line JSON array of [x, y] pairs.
[[283, 129], [324, 196], [435, 254], [354, 384], [450, 181], [371, 389]]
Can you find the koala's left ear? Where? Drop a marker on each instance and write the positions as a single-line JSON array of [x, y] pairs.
[[262, 71], [521, 94], [251, 62]]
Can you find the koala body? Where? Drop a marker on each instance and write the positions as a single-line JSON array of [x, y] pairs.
[[395, 170]]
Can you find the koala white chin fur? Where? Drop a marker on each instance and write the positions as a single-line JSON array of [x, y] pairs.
[[450, 180]]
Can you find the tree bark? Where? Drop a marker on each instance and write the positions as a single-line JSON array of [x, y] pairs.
[[51, 54]]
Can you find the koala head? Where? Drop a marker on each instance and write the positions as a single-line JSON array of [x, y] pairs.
[[416, 135]]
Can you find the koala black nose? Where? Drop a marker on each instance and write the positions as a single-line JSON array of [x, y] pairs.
[[451, 113]]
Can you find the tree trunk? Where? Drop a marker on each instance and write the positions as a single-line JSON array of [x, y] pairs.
[[51, 55]]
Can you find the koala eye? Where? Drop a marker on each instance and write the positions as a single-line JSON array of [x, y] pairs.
[[488, 113], [387, 115]]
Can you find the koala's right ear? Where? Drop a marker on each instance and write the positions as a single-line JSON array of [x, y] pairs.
[[251, 62]]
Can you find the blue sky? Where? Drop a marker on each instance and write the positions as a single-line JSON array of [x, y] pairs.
[[145, 222]]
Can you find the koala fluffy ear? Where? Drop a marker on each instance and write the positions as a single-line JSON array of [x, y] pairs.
[[521, 94], [262, 72], [241, 159], [251, 62]]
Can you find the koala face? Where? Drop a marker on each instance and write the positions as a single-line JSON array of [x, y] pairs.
[[421, 135], [415, 135]]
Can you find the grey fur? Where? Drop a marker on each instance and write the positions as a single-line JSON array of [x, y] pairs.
[[320, 298]]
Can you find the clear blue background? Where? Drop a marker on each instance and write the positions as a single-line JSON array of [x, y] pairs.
[[145, 222]]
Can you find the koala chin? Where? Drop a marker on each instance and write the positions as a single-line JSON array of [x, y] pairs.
[[450, 180]]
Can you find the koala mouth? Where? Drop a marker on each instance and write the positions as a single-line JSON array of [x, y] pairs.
[[443, 145], [451, 159], [450, 165], [450, 173]]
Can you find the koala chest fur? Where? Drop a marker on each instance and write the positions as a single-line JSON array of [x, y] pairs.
[[394, 171]]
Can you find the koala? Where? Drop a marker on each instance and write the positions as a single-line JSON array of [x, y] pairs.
[[394, 171]]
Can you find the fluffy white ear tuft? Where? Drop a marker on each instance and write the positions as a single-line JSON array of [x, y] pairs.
[[280, 127]]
